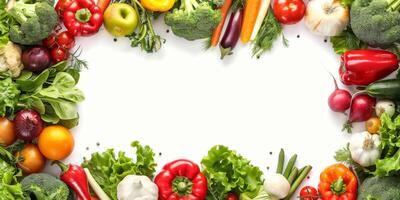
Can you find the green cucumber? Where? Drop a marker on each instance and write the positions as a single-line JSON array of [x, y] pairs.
[[385, 89]]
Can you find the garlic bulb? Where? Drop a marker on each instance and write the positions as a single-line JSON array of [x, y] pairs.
[[326, 17], [364, 148]]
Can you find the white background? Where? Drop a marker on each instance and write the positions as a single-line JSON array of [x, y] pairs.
[[183, 100]]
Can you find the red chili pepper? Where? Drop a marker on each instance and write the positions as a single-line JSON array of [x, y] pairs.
[[181, 180], [83, 17], [362, 67], [75, 177]]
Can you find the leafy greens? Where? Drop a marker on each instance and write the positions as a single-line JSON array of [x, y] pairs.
[[10, 188], [52, 93], [390, 144], [346, 41], [108, 169], [227, 171]]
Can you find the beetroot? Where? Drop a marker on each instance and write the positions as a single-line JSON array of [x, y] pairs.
[[28, 124], [339, 100], [361, 109]]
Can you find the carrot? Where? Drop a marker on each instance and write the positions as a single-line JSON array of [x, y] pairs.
[[249, 20], [218, 30], [103, 4]]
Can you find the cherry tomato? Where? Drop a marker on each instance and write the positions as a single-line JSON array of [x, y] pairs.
[[32, 161], [65, 40], [289, 11], [372, 125], [59, 54], [232, 196], [7, 133], [56, 142], [50, 42], [308, 193]]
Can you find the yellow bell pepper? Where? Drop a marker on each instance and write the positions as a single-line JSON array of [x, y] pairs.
[[158, 5]]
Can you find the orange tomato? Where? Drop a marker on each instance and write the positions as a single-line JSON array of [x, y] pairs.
[[56, 142], [32, 161], [7, 134], [372, 125]]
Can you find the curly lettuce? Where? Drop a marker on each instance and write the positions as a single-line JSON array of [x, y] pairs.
[[108, 169], [10, 188], [227, 171], [9, 95]]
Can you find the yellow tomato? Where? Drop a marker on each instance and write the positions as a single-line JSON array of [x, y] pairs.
[[372, 125], [56, 142], [32, 161], [7, 134]]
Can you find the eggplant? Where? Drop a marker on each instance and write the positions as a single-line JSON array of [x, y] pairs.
[[231, 34]]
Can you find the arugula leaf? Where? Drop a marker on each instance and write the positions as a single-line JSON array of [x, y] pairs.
[[228, 171], [9, 95], [346, 41], [109, 169]]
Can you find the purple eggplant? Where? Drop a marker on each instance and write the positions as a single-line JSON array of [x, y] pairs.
[[232, 33]]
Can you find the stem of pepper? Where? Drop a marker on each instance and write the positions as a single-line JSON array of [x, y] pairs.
[[83, 15], [182, 186], [338, 187]]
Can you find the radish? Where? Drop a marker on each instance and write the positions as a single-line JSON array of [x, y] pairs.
[[339, 100], [362, 108]]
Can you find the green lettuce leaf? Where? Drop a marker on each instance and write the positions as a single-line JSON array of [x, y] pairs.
[[108, 169], [10, 188], [227, 171], [388, 166], [9, 95]]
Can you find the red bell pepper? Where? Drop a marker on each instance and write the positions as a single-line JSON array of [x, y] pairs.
[[362, 67], [181, 180], [75, 177], [82, 17], [61, 6], [337, 182]]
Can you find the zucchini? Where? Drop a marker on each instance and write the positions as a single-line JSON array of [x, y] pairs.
[[385, 89]]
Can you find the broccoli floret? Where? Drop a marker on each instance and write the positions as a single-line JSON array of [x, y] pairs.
[[376, 22], [375, 188], [31, 22], [42, 186], [193, 20]]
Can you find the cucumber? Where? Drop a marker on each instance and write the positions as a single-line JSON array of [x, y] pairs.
[[385, 89]]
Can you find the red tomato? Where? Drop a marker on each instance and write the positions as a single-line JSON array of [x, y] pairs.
[[59, 54], [50, 42], [289, 11], [231, 196], [65, 40], [308, 193]]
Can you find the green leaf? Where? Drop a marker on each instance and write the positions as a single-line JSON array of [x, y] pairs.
[[65, 110], [228, 171], [9, 95], [108, 169], [25, 75], [346, 41], [388, 166], [71, 123], [33, 83]]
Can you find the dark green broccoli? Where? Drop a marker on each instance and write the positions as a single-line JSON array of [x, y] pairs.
[[32, 22], [375, 188], [376, 22], [193, 20], [44, 187]]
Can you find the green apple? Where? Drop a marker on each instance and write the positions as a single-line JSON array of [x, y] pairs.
[[120, 19]]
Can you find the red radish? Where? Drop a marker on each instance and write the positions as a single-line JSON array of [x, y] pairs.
[[362, 108], [339, 100]]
